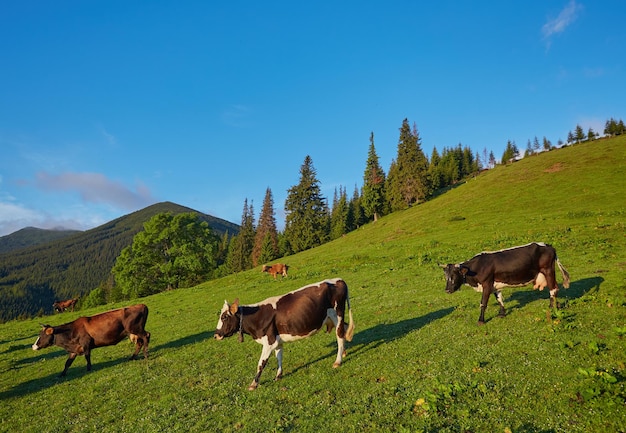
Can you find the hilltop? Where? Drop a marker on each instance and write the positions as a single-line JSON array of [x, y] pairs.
[[33, 277]]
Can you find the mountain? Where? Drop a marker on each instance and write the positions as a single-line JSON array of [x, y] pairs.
[[32, 278], [30, 236]]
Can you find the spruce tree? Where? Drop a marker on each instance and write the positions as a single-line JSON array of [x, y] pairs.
[[339, 215], [408, 175], [240, 248], [266, 239], [373, 200], [306, 220]]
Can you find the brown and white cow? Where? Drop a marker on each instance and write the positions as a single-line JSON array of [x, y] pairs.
[[289, 317], [106, 329], [490, 272], [276, 269], [61, 306]]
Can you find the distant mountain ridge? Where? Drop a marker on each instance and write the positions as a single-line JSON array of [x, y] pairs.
[[72, 264], [30, 236]]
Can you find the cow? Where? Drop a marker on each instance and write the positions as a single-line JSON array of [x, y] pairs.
[[61, 306], [275, 269], [289, 317], [106, 329], [490, 272]]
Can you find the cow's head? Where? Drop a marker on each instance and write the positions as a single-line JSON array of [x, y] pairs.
[[45, 339], [455, 276], [265, 268], [228, 322]]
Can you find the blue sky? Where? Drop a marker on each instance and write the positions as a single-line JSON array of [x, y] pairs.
[[108, 107]]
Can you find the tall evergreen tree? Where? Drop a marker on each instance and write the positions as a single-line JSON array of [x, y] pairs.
[[266, 237], [356, 214], [408, 175], [373, 200], [306, 220], [510, 152], [339, 215], [240, 249]]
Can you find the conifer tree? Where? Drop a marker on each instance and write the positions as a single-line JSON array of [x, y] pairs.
[[240, 248], [266, 238], [356, 214], [339, 215], [373, 200], [408, 175], [306, 220]]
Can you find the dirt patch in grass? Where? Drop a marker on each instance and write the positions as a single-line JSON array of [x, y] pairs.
[[554, 168]]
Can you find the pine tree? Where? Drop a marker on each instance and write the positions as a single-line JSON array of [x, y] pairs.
[[240, 248], [339, 215], [266, 233], [373, 200], [546, 144], [356, 214], [306, 220], [579, 135], [408, 175]]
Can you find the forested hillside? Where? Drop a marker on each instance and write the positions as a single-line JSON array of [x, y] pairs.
[[30, 236], [32, 278]]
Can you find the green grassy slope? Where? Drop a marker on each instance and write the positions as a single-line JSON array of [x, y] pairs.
[[418, 361]]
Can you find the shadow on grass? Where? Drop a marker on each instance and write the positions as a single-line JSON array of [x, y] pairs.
[[371, 338], [78, 369], [577, 289]]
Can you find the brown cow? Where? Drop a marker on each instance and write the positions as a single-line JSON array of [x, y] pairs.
[[106, 329], [275, 269], [61, 306]]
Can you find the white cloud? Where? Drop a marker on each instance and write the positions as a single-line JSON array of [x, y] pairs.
[[96, 188], [565, 18]]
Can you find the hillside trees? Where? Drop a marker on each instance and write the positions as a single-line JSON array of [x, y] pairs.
[[511, 152], [614, 127], [306, 221], [407, 181], [265, 247], [172, 251], [373, 197], [241, 246]]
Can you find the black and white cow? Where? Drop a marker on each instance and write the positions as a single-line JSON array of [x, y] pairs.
[[490, 272], [289, 317]]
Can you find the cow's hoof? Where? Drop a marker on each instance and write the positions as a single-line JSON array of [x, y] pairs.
[[336, 364], [481, 323], [253, 386]]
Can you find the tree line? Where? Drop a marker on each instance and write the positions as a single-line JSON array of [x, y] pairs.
[[181, 250]]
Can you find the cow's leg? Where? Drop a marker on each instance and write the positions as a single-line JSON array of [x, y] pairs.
[[553, 303], [88, 358], [279, 358], [487, 289], [265, 354], [69, 361], [498, 295], [553, 285], [338, 324]]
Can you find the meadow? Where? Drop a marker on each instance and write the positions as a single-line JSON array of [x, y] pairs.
[[418, 361]]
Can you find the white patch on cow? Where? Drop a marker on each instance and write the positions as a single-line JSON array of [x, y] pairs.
[[36, 345], [541, 244], [553, 293], [273, 301], [499, 285], [500, 298], [540, 282]]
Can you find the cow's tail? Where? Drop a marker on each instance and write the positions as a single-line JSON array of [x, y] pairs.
[[564, 273], [350, 330]]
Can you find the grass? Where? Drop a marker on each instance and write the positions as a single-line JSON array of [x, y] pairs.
[[418, 361]]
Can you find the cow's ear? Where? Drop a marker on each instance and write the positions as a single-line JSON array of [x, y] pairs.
[[49, 331], [464, 270], [234, 306]]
